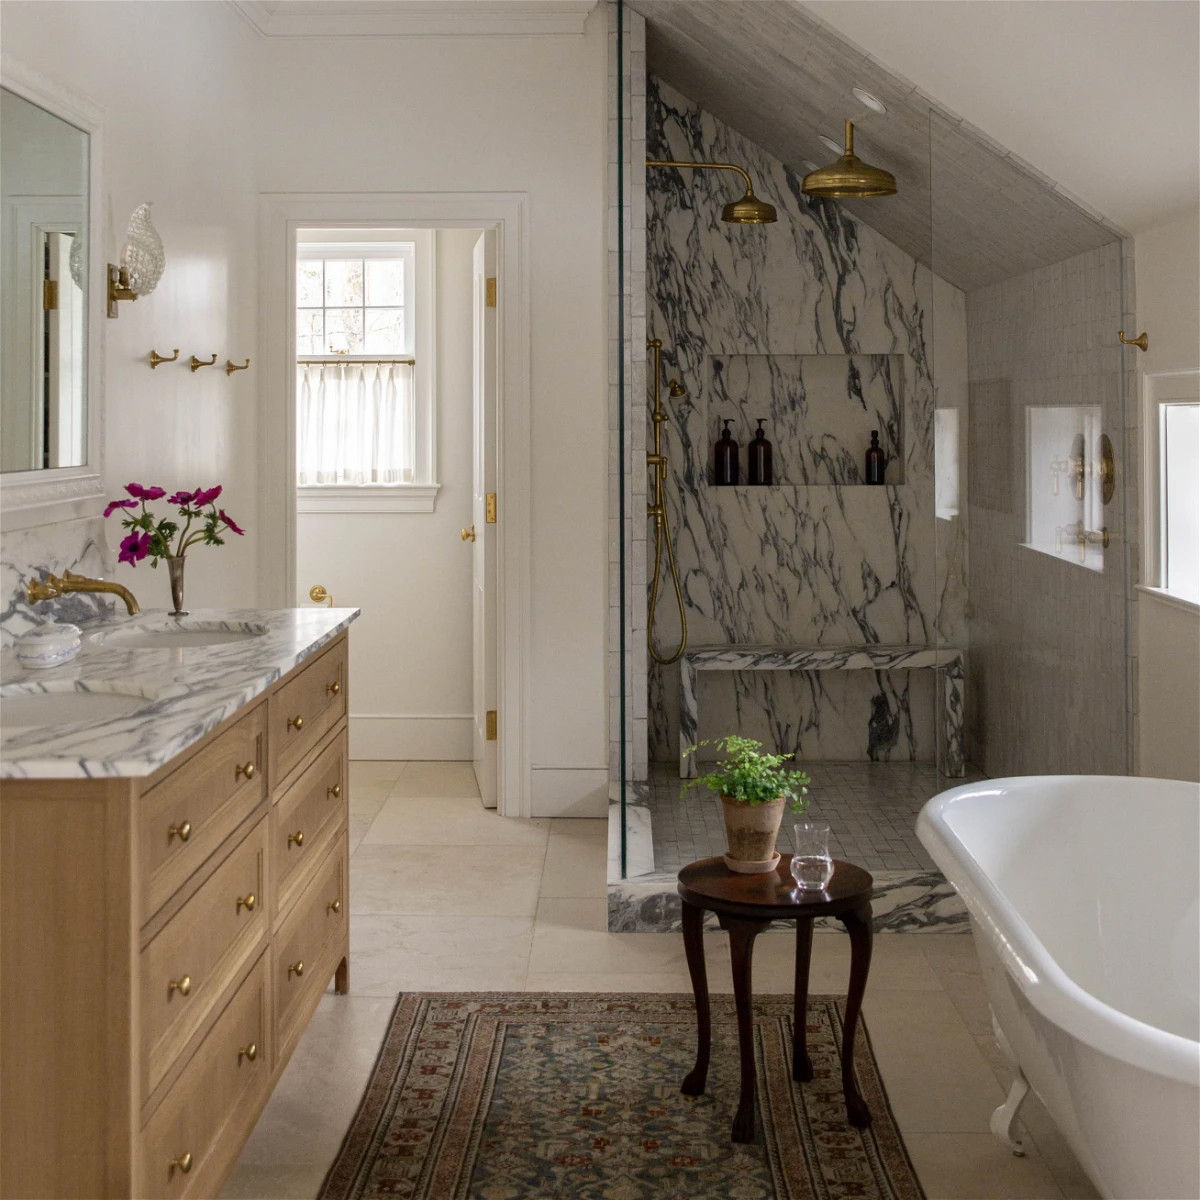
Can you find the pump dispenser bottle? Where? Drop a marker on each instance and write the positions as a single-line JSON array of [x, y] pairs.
[[876, 460], [758, 456], [725, 458]]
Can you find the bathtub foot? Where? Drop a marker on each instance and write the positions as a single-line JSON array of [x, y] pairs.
[[1005, 1117]]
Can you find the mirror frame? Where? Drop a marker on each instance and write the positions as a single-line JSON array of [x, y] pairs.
[[39, 497]]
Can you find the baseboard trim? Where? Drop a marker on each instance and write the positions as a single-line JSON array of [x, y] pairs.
[[411, 736]]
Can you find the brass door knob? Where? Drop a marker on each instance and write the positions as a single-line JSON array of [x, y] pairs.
[[249, 1052], [182, 831], [295, 722], [296, 838], [183, 1162], [247, 902], [468, 535], [296, 969], [334, 906], [334, 689], [182, 985], [247, 769], [335, 791]]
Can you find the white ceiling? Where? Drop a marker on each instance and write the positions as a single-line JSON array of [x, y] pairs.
[[1101, 95]]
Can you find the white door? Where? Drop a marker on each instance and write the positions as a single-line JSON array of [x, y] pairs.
[[483, 508]]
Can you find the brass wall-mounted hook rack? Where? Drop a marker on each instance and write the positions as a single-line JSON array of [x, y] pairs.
[[230, 367], [197, 363], [1142, 341], [118, 288], [156, 358]]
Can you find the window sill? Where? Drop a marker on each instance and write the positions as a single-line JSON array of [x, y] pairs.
[[1175, 601], [391, 498]]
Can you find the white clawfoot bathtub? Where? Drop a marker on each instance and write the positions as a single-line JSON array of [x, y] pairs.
[[1083, 897]]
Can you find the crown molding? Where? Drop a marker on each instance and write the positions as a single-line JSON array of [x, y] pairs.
[[415, 18]]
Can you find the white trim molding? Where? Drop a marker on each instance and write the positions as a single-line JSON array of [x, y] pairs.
[[416, 18], [388, 498], [281, 214]]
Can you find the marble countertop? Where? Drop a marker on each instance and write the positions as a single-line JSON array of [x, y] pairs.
[[190, 690]]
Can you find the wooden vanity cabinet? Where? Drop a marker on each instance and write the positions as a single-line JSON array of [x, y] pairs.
[[163, 946]]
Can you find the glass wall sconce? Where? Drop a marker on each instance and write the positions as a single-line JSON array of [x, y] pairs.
[[142, 261]]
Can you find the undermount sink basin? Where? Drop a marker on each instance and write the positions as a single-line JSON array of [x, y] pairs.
[[23, 706], [177, 634]]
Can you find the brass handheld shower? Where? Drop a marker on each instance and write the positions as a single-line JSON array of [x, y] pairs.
[[657, 461]]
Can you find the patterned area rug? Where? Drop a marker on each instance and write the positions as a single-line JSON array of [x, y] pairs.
[[527, 1096]]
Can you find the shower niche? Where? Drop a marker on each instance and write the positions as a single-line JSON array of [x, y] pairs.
[[818, 410]]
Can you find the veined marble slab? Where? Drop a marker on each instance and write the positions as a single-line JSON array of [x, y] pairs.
[[196, 687]]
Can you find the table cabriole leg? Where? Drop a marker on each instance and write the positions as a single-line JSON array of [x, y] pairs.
[[693, 942], [741, 950], [858, 926], [802, 1070]]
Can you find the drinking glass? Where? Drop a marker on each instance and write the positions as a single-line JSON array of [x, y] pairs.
[[812, 867]]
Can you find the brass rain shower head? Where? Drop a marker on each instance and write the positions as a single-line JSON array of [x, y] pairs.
[[749, 210], [849, 177]]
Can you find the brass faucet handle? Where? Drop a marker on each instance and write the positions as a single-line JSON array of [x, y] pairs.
[[37, 590]]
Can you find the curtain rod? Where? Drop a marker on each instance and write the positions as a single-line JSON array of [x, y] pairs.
[[360, 362]]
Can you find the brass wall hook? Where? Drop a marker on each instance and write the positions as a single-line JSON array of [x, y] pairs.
[[156, 358], [196, 363], [1142, 342], [318, 595], [118, 288], [231, 367]]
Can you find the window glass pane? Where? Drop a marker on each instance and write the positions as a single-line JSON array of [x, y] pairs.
[[309, 335], [343, 281], [1181, 499], [385, 331], [385, 281], [309, 286], [343, 331]]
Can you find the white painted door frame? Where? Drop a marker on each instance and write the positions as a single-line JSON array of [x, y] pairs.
[[281, 214]]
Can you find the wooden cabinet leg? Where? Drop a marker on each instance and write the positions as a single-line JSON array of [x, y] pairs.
[[341, 977], [693, 943], [858, 926], [802, 1070], [741, 949]]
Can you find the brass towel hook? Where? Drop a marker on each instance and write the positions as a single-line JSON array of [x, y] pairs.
[[318, 595], [231, 367], [1142, 342], [196, 363], [156, 358]]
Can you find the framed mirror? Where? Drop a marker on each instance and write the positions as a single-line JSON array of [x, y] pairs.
[[51, 293]]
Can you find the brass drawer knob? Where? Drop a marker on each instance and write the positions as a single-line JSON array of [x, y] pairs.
[[250, 1053], [296, 723], [248, 770], [334, 689], [182, 985], [297, 838], [247, 902], [334, 906], [183, 1162], [296, 969], [182, 831], [335, 791]]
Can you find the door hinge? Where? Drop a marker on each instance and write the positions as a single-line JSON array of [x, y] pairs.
[[490, 293], [491, 724], [49, 295], [489, 508]]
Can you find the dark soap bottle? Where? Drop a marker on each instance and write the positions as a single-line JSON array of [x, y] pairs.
[[876, 460], [758, 465], [725, 458]]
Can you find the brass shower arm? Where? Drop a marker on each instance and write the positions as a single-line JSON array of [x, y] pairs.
[[701, 166]]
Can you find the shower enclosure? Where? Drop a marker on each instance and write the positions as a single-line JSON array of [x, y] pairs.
[[970, 321]]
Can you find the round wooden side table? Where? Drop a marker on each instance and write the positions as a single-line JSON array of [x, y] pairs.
[[745, 905]]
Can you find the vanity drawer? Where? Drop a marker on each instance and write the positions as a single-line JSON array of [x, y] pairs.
[[206, 1116], [306, 819], [192, 961], [304, 948], [306, 708], [186, 816]]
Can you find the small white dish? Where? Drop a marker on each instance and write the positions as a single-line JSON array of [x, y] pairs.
[[49, 645]]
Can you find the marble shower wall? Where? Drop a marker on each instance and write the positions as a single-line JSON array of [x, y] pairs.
[[809, 560]]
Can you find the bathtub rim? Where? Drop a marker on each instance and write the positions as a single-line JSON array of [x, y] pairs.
[[1044, 983]]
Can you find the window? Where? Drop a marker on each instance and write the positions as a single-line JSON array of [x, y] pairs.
[[364, 371], [1173, 484]]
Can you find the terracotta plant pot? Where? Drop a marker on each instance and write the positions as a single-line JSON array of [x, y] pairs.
[[750, 830]]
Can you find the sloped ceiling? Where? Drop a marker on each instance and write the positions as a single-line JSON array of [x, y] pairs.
[[782, 77]]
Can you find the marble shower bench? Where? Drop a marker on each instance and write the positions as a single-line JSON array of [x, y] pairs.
[[945, 660]]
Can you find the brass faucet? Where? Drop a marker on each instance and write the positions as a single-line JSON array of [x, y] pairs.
[[52, 586]]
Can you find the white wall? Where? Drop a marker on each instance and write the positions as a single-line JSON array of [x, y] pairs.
[[172, 78], [514, 114], [1168, 637], [410, 573]]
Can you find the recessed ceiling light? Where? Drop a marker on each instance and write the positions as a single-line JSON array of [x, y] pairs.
[[828, 141], [872, 102]]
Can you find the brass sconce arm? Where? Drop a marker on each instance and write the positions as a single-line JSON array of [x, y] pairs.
[[118, 288]]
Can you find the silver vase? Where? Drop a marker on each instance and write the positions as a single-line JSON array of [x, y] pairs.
[[175, 570]]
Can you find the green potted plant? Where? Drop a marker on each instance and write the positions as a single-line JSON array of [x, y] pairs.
[[753, 787]]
